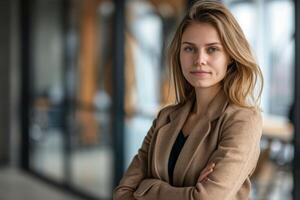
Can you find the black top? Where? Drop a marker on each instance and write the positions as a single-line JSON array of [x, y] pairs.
[[175, 153]]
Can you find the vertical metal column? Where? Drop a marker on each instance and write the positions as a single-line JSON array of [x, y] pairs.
[[118, 90], [296, 163], [68, 98], [5, 34], [25, 55]]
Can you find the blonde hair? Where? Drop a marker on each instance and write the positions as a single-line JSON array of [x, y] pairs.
[[243, 73]]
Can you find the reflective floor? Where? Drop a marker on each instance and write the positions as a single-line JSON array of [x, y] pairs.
[[275, 183], [17, 185], [90, 166], [91, 169]]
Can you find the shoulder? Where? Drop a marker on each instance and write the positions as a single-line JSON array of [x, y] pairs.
[[234, 112], [162, 116], [167, 110], [242, 121]]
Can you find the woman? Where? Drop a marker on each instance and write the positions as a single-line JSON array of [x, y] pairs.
[[206, 146]]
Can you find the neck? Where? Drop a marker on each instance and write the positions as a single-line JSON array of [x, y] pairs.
[[203, 97]]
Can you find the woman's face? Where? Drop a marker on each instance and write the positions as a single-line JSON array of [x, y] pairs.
[[202, 57]]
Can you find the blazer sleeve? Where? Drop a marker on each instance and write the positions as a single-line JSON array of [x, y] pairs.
[[137, 169], [235, 157]]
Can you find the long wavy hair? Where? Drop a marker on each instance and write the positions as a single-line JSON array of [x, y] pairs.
[[243, 74]]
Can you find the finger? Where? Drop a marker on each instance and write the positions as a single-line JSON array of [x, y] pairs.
[[208, 167], [212, 165], [205, 174], [207, 170], [204, 180]]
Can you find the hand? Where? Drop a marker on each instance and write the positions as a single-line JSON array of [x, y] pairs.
[[205, 172]]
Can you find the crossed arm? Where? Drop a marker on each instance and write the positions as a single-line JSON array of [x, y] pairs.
[[235, 159], [136, 171]]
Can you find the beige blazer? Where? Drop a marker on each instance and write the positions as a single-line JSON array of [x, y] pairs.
[[229, 136]]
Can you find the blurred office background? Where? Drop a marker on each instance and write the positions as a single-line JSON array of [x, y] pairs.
[[82, 80]]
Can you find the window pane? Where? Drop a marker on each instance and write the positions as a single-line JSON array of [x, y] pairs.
[[91, 139], [269, 27], [149, 28], [46, 127]]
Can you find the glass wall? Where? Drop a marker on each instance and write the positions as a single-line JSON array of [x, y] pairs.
[[46, 113], [72, 45], [91, 135], [72, 58], [70, 114], [149, 27], [269, 26]]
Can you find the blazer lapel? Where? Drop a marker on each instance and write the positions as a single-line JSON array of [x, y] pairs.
[[196, 138], [166, 137]]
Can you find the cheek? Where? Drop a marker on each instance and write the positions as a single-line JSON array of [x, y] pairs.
[[223, 72], [182, 59], [186, 59], [222, 69], [184, 68], [184, 71], [221, 66]]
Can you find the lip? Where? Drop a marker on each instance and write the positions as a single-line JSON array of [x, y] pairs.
[[200, 73]]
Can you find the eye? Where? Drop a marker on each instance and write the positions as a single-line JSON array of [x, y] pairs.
[[212, 50], [189, 49]]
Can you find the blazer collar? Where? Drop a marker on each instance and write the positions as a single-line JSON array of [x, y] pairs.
[[166, 137], [168, 133]]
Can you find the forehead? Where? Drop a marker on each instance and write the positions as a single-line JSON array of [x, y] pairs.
[[198, 33]]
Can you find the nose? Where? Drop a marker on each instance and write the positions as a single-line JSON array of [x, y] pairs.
[[200, 58]]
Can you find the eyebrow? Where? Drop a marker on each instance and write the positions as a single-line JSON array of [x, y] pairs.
[[208, 44]]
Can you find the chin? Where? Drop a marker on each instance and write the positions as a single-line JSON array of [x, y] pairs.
[[202, 85]]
